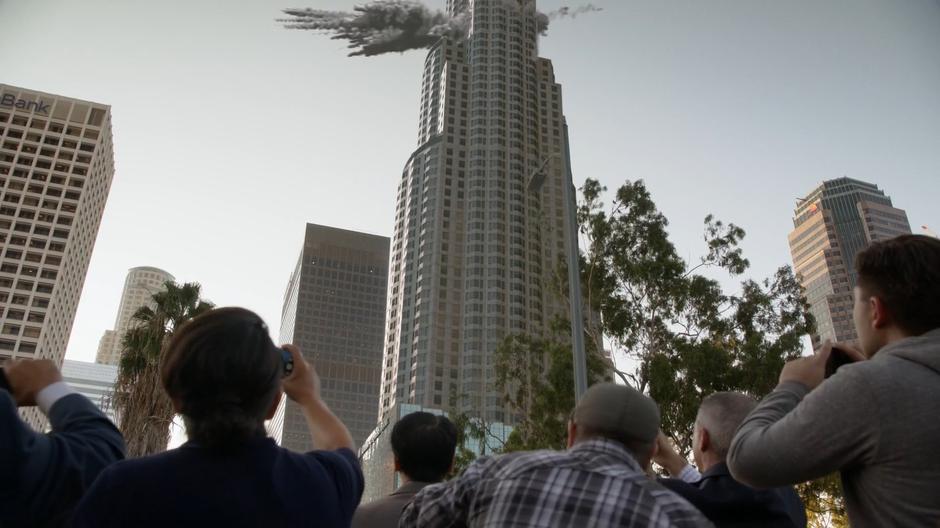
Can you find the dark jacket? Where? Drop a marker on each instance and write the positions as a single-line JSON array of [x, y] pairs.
[[728, 503], [254, 484], [385, 512], [43, 476]]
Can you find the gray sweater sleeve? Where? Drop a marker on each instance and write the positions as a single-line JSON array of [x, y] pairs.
[[795, 435]]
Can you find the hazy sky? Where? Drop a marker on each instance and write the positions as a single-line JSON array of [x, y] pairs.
[[231, 133]]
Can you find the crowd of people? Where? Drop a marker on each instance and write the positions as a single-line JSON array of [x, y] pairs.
[[874, 421]]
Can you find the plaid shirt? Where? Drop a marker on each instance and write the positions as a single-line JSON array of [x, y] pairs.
[[595, 483]]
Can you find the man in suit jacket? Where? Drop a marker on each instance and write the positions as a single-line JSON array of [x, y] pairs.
[[725, 502], [43, 476], [424, 445]]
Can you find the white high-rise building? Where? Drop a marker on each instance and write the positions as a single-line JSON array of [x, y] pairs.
[[56, 166], [476, 248], [92, 380], [139, 286]]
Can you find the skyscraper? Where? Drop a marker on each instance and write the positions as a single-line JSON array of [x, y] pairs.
[[831, 225], [92, 380], [334, 310], [476, 248], [56, 166], [139, 286]]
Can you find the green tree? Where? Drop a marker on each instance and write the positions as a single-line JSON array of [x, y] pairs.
[[142, 407], [536, 376], [684, 335]]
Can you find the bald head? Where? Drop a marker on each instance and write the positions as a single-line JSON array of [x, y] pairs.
[[720, 414]]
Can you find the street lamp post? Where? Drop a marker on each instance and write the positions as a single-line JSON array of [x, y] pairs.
[[574, 275]]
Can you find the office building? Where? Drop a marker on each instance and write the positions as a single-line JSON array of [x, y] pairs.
[[831, 225], [139, 286], [334, 310], [480, 225], [92, 380], [56, 166]]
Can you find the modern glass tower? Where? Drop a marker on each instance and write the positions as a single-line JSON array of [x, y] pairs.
[[479, 236], [831, 225], [334, 310]]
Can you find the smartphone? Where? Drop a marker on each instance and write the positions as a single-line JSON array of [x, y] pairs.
[[288, 361], [837, 358], [4, 384]]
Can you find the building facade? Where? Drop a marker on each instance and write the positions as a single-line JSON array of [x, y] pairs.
[[56, 167], [477, 246], [334, 310], [831, 225], [92, 380], [139, 286]]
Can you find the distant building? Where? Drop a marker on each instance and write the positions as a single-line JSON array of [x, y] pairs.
[[378, 461], [334, 310], [139, 286], [831, 225], [92, 380], [56, 167]]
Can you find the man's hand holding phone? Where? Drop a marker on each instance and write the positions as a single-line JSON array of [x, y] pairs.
[[812, 370]]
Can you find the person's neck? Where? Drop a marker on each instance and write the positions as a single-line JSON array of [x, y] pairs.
[[708, 462], [891, 336]]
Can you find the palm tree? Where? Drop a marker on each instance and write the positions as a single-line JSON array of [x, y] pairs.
[[142, 407]]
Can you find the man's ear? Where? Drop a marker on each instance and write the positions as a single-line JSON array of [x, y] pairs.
[[878, 311], [704, 440], [398, 464], [572, 433]]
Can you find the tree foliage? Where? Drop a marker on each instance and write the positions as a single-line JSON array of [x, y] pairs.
[[142, 407], [685, 335], [536, 375]]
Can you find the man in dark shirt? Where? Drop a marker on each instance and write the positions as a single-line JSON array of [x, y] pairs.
[[43, 476], [424, 446], [722, 499]]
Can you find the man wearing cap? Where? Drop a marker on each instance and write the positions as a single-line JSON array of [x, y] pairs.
[[600, 480]]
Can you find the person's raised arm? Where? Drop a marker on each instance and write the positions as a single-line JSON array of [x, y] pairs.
[[303, 386], [805, 429], [52, 471]]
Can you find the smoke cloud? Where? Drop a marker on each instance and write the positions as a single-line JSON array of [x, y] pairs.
[[385, 26], [573, 12], [382, 26]]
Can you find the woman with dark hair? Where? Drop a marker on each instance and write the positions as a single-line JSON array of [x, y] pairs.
[[224, 376]]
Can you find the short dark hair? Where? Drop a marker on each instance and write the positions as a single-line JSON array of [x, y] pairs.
[[424, 445], [225, 372], [905, 273]]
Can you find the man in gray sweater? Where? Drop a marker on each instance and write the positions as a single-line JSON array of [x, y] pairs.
[[877, 420]]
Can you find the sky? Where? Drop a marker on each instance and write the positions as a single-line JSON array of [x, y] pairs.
[[230, 132]]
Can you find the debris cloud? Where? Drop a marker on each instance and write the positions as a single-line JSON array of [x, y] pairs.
[[385, 26], [382, 26]]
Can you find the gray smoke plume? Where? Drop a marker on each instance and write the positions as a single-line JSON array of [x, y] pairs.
[[384, 26], [573, 12]]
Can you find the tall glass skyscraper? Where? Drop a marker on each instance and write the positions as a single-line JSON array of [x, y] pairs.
[[334, 310], [831, 225], [477, 243]]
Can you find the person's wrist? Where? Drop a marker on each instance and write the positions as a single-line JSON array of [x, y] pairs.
[[308, 398], [676, 464]]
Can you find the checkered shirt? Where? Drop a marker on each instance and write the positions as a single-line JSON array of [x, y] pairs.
[[594, 484]]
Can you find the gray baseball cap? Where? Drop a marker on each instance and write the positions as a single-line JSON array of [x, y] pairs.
[[619, 410]]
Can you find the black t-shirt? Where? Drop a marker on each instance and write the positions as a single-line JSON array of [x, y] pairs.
[[257, 484]]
